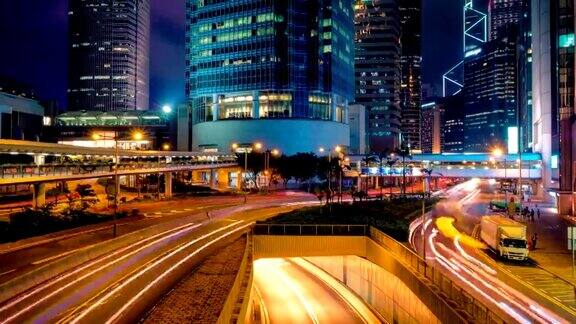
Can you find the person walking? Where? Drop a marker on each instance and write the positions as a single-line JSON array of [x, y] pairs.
[[538, 213], [534, 241], [532, 215]]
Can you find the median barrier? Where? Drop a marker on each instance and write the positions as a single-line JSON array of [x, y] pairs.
[[239, 298]]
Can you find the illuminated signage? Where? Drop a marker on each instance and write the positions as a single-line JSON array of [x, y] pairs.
[[512, 140], [566, 40]]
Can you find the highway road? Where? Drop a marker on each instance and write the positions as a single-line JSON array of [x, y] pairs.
[[21, 257], [291, 290], [459, 257], [117, 286]]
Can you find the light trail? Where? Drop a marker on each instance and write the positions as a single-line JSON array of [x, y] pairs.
[[146, 268], [347, 296], [179, 230]]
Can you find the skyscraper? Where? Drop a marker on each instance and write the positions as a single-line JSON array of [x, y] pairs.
[[378, 69], [433, 124], [503, 13], [490, 94], [108, 54], [553, 95], [410, 60], [274, 71]]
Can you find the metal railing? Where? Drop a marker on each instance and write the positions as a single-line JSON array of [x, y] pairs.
[[451, 291], [31, 170], [310, 229]]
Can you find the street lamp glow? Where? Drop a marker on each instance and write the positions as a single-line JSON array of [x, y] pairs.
[[275, 152], [337, 149], [166, 146], [234, 146], [258, 145], [96, 136], [497, 152], [137, 136], [166, 109], [321, 150]]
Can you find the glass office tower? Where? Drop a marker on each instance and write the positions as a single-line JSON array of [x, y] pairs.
[[280, 72], [109, 46]]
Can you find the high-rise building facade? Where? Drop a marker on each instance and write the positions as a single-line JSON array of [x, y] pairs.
[[277, 72], [453, 123], [503, 13], [432, 136], [490, 95], [553, 95], [411, 71], [109, 45], [378, 70]]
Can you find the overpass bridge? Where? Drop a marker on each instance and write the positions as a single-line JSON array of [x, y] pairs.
[[37, 163], [452, 165]]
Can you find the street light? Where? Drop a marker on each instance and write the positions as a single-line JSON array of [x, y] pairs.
[[166, 146], [166, 109], [267, 153], [136, 136], [245, 148]]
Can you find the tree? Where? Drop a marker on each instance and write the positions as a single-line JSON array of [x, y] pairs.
[[404, 153]]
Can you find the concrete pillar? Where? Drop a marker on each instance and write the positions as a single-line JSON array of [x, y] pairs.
[[223, 179], [168, 184], [39, 195], [197, 176], [377, 182], [255, 104], [359, 183], [213, 178], [238, 179]]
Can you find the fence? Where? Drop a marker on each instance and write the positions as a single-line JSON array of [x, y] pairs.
[[310, 229], [465, 303]]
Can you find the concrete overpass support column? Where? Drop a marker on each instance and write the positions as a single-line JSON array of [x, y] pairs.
[[39, 195], [223, 179], [196, 176], [376, 182], [168, 184], [213, 183]]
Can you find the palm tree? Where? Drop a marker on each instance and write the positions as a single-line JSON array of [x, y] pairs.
[[391, 160], [404, 153]]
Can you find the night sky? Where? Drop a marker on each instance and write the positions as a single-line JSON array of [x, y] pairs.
[[33, 36]]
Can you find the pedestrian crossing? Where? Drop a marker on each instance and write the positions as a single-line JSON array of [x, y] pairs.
[[546, 282]]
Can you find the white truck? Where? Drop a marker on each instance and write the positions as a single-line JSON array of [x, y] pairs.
[[505, 236]]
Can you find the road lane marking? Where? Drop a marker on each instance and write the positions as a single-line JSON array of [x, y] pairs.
[[177, 230], [146, 268]]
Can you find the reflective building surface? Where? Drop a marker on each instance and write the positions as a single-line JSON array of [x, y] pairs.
[[255, 66], [378, 70], [108, 54]]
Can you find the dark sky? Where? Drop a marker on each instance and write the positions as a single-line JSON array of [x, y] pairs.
[[33, 38]]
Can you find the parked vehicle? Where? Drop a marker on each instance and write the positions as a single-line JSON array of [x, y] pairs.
[[505, 236]]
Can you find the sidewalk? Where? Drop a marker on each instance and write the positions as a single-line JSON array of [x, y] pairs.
[[551, 251]]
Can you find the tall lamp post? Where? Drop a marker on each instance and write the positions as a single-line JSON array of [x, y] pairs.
[[138, 136], [267, 173], [497, 153], [338, 150]]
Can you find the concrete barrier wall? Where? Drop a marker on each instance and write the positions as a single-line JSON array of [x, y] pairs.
[[271, 246], [241, 291], [382, 290]]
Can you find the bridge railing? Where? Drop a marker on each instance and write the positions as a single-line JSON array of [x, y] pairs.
[[10, 171], [310, 229], [458, 296]]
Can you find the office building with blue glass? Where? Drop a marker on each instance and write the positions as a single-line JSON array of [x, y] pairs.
[[278, 72]]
